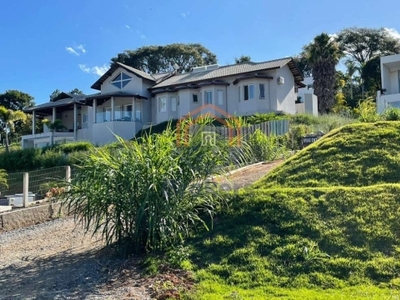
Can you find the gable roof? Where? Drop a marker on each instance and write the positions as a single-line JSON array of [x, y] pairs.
[[114, 67], [231, 70]]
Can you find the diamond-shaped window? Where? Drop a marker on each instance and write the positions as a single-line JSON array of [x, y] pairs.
[[121, 80]]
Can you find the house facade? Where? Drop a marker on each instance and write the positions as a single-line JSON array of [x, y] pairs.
[[129, 100], [389, 96]]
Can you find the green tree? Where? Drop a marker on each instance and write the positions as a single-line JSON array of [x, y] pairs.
[[303, 64], [57, 125], [363, 44], [57, 92], [242, 59], [322, 55], [168, 58], [351, 71], [8, 118], [16, 100]]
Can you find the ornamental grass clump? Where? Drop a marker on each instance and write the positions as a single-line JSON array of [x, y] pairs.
[[150, 194]]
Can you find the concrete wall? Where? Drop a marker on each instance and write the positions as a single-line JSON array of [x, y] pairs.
[[25, 217], [286, 96]]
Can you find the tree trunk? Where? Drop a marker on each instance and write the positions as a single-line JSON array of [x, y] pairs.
[[7, 144]]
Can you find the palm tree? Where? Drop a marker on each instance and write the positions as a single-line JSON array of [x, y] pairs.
[[323, 55], [351, 70], [8, 117], [54, 126]]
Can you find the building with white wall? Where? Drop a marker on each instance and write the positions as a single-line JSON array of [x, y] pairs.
[[129, 99], [389, 96]]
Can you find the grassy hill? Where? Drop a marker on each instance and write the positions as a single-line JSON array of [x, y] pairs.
[[354, 155], [272, 241], [323, 225]]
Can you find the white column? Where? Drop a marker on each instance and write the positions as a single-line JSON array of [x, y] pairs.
[[54, 115], [75, 120], [133, 110], [25, 189], [68, 177], [112, 109], [94, 111], [34, 122]]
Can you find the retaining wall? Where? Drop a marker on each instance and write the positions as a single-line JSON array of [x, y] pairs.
[[25, 217]]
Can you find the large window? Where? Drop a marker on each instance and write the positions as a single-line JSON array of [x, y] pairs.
[[220, 97], [121, 80], [162, 104], [107, 114], [85, 118], [398, 75], [173, 103], [118, 113], [138, 111], [262, 90], [248, 92], [208, 97], [128, 112]]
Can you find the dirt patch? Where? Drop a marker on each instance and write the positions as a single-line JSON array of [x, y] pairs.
[[247, 175]]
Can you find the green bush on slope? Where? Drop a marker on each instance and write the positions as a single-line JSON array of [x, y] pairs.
[[354, 155]]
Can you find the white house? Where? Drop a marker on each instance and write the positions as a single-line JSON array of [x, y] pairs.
[[390, 76], [129, 99]]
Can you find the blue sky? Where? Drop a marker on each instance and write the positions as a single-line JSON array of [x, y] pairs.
[[48, 45]]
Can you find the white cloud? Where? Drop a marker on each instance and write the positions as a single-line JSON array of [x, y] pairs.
[[393, 33], [76, 49], [98, 70], [143, 36], [127, 26], [71, 50], [185, 15], [80, 47]]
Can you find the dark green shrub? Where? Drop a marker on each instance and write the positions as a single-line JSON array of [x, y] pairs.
[[261, 118], [74, 147], [304, 119]]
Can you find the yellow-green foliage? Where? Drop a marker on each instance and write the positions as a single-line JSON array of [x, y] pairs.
[[306, 238], [355, 155]]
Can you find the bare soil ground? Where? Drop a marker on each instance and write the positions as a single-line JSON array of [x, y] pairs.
[[56, 260]]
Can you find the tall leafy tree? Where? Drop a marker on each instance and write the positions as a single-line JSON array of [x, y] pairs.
[[168, 58], [322, 55], [303, 64], [363, 44], [57, 92], [8, 118], [16, 100], [242, 59]]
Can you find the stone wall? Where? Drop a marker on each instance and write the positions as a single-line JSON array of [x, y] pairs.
[[25, 217]]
